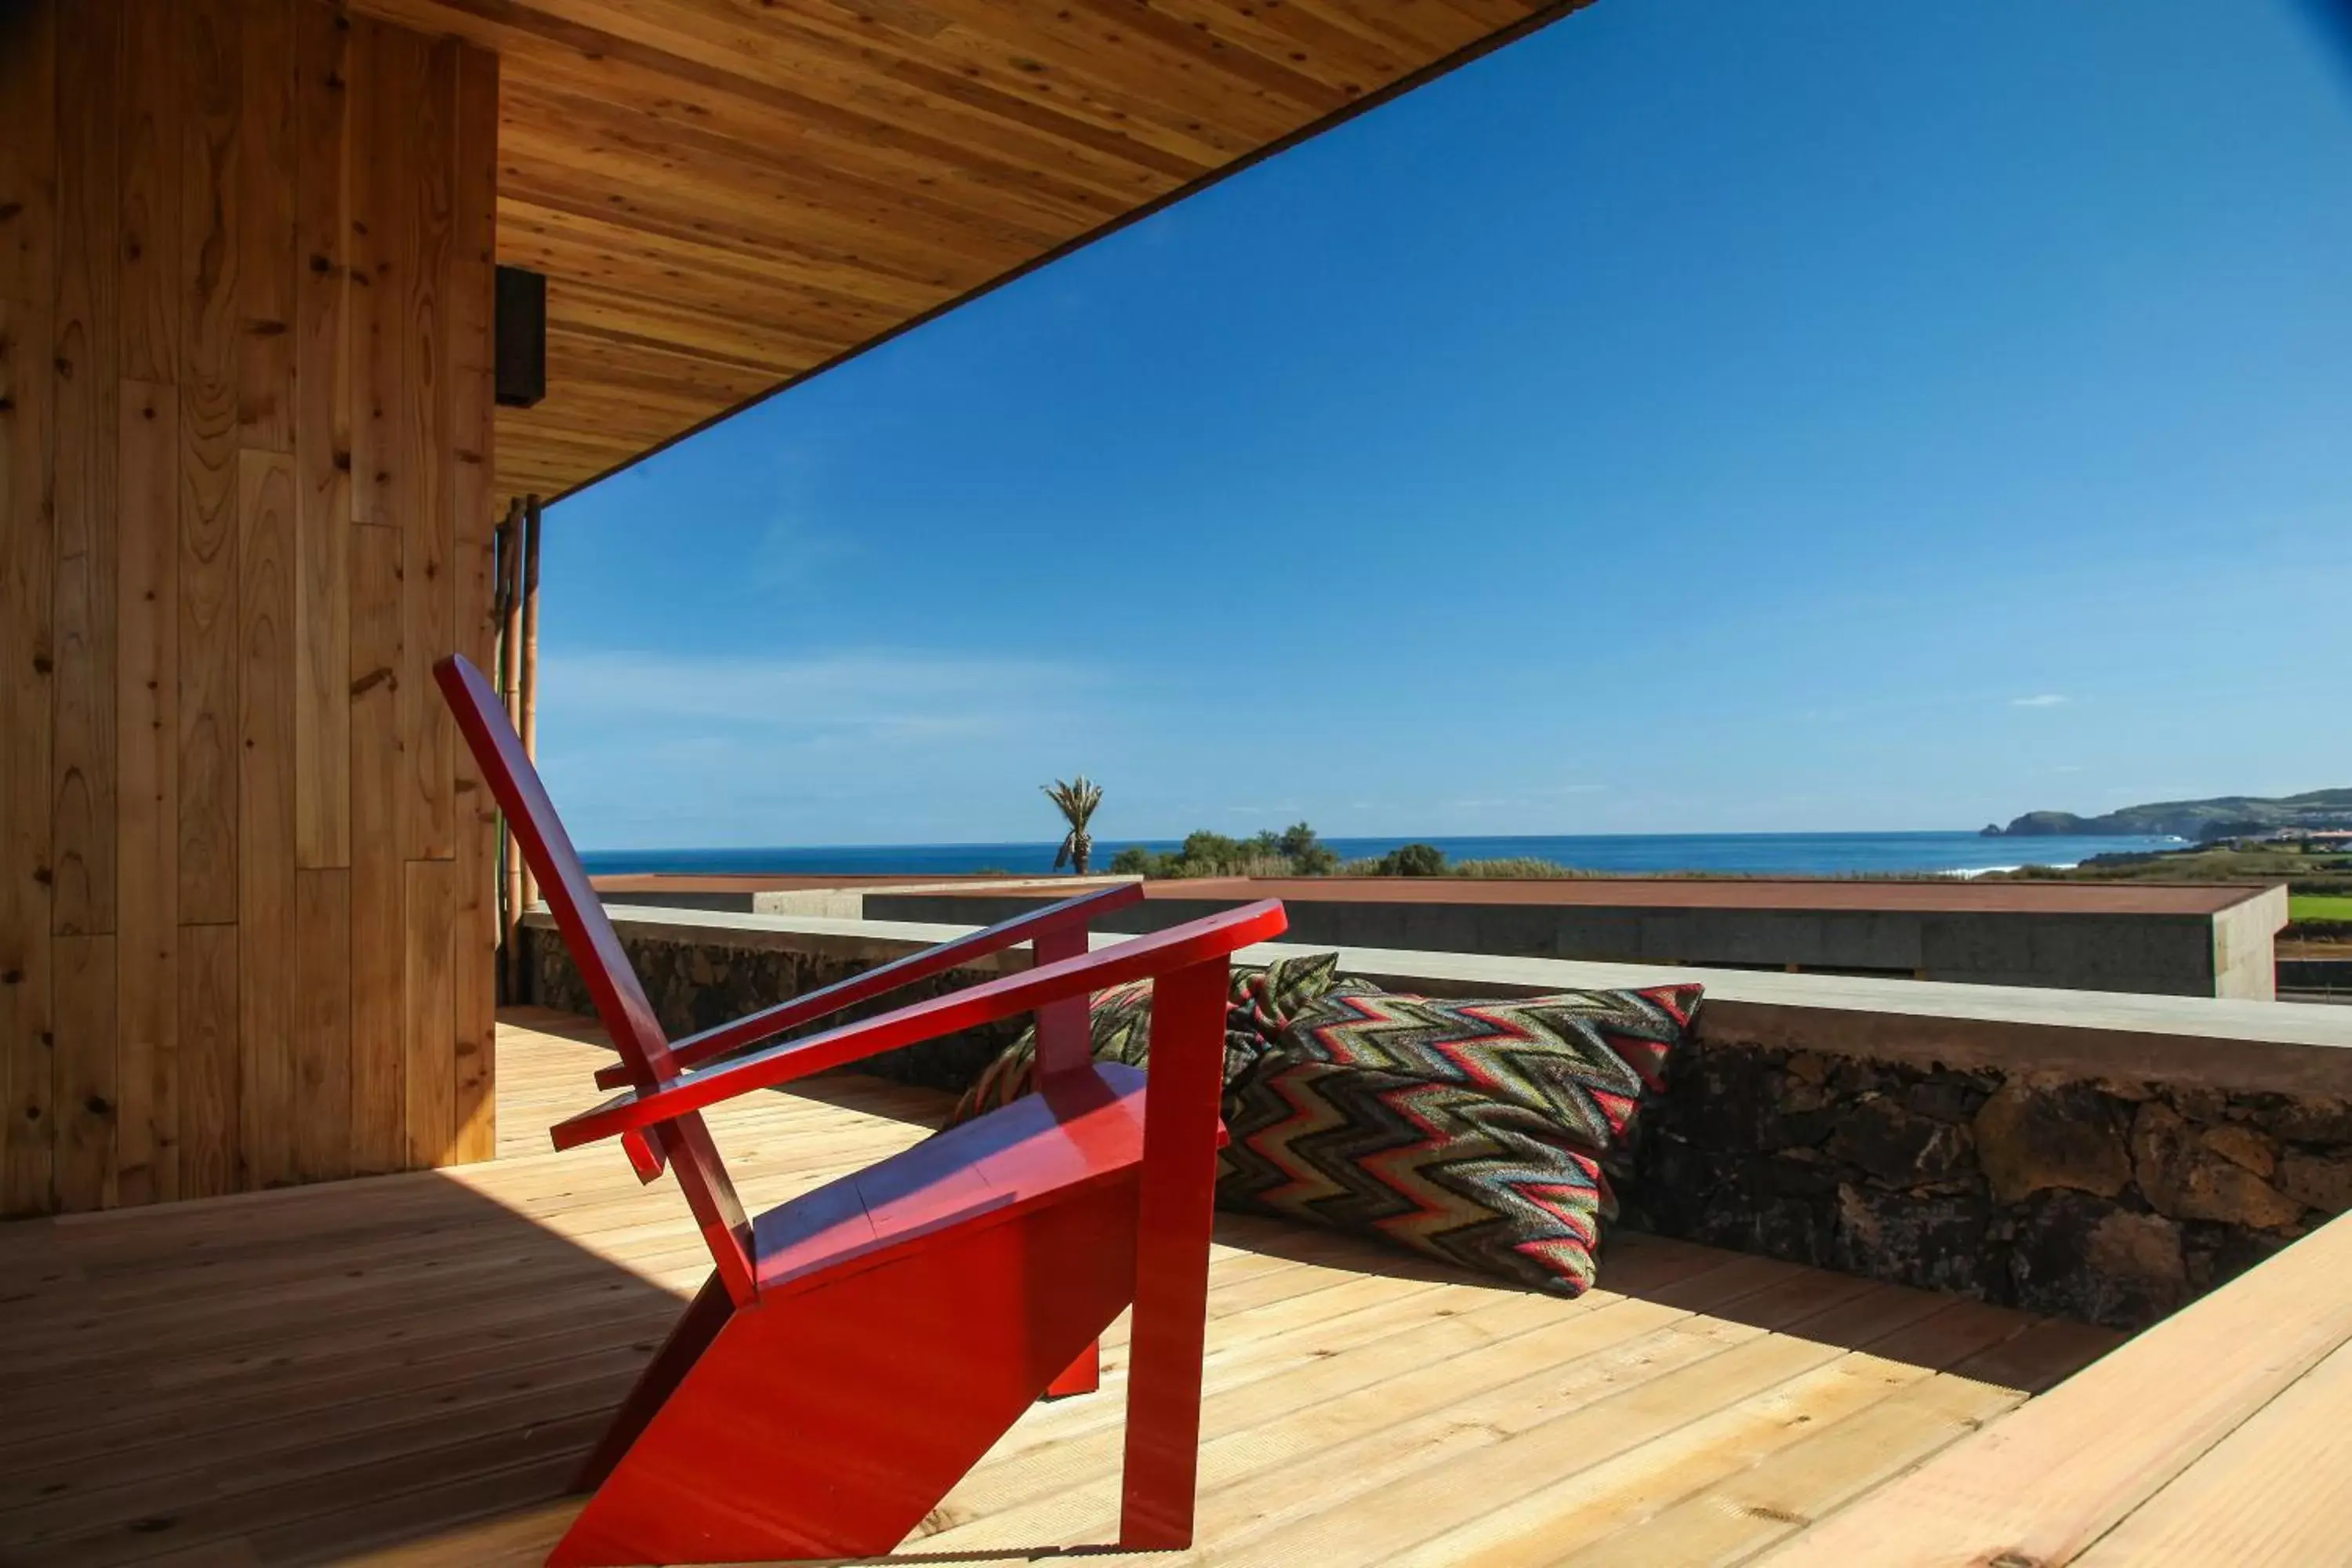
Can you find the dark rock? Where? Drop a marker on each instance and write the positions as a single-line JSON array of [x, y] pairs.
[[2241, 1146], [2301, 1120], [1946, 1096], [2197, 1103], [2083, 1257], [2218, 1254], [1720, 1098], [1898, 1147], [2032, 1139], [2183, 1178], [1793, 1177], [1934, 1243], [2323, 1181]]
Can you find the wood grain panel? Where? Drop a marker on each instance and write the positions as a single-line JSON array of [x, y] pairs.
[[206, 1080], [322, 442], [379, 882], [212, 64], [424, 489], [146, 813], [430, 1054], [28, 152], [84, 367], [385, 63], [197, 204], [26, 542], [88, 1098], [266, 506], [266, 200], [322, 1024], [474, 927], [149, 104]]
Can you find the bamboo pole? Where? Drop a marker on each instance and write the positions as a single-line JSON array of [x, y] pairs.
[[530, 681], [509, 537]]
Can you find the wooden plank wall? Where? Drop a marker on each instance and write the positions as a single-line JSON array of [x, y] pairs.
[[248, 917]]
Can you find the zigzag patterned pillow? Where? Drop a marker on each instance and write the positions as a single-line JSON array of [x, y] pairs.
[[1260, 1002], [1474, 1132]]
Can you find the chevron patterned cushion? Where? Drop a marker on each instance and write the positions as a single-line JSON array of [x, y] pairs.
[[1474, 1132], [1260, 1002]]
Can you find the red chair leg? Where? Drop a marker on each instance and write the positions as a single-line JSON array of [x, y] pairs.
[[1083, 1376], [827, 1422], [688, 1339], [1175, 1213]]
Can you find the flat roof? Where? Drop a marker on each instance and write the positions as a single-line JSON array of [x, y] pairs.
[[1733, 893], [1937, 896]]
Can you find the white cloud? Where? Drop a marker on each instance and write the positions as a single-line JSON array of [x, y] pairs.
[[2046, 700], [878, 693]]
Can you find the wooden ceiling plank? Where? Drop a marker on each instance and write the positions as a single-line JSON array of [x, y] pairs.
[[952, 112], [1346, 61], [870, 148], [664, 212], [1238, 51], [1025, 52], [1424, 29], [908, 241], [823, 183], [527, 228], [742, 335], [801, 47], [670, 272], [684, 319], [1138, 61]]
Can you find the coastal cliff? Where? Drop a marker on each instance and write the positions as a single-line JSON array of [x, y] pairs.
[[2221, 817]]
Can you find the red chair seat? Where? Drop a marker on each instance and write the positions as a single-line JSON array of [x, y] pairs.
[[1083, 1130]]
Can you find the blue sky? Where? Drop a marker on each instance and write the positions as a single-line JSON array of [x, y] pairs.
[[1823, 415]]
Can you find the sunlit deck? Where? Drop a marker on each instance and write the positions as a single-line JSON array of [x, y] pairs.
[[413, 1366]]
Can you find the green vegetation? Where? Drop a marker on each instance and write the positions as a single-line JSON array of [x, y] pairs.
[[1295, 851], [1428, 860], [2319, 876], [1076, 801], [2303, 909]]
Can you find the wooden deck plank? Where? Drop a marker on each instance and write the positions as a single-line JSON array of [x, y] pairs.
[[2043, 1484], [2278, 1489], [304, 1374]]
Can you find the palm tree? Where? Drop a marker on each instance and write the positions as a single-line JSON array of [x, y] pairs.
[[1075, 801]]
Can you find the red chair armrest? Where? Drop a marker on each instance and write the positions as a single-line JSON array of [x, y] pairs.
[[769, 1022], [1162, 953]]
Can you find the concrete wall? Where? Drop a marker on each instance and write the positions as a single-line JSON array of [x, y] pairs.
[[2104, 1156], [2245, 946], [2185, 954]]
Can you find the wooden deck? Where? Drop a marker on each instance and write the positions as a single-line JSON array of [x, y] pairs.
[[407, 1368]]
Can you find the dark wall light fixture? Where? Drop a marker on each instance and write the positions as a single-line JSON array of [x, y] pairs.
[[522, 337]]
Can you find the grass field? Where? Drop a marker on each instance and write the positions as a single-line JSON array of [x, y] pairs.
[[2319, 907]]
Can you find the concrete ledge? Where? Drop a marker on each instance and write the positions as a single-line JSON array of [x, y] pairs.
[[2279, 1047]]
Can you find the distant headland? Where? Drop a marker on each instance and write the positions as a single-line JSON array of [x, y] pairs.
[[2225, 817]]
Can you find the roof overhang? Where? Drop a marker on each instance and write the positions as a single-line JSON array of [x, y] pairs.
[[727, 196]]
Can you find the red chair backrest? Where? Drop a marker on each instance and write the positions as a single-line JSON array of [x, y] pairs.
[[595, 947]]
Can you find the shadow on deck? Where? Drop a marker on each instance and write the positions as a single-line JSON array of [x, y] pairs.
[[413, 1366]]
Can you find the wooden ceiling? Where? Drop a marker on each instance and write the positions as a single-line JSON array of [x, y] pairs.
[[726, 196]]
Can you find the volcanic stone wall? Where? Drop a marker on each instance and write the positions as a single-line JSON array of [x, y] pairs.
[[2110, 1201]]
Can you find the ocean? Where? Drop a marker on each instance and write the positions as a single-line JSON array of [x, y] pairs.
[[1747, 854]]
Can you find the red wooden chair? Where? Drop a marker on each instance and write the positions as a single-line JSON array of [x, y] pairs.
[[857, 1349]]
